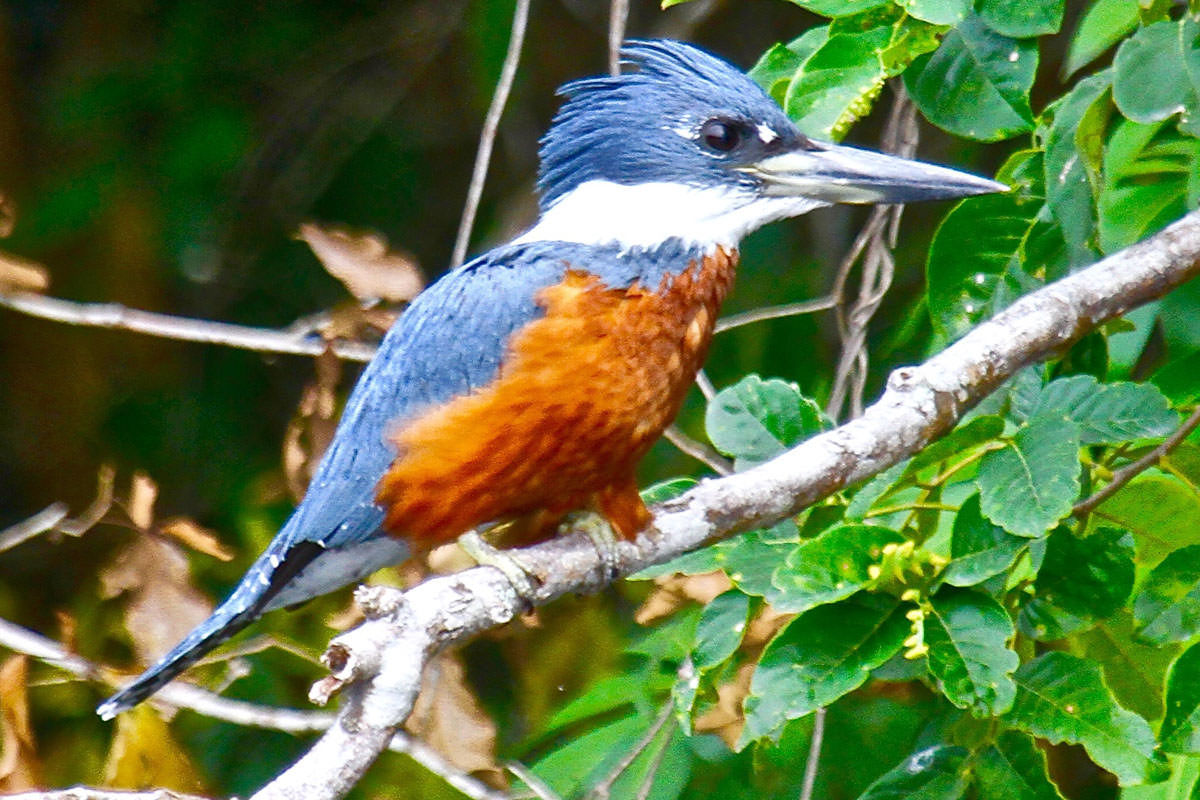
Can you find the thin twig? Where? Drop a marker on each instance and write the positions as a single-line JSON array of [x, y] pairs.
[[603, 789], [814, 755], [698, 450], [774, 312], [900, 137], [656, 762], [618, 15], [536, 785], [491, 123], [1127, 473], [45, 520], [91, 793], [167, 326], [705, 385], [184, 695]]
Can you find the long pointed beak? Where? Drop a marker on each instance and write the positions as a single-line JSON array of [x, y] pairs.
[[838, 174]]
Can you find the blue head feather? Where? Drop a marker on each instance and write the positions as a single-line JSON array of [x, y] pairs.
[[643, 126]]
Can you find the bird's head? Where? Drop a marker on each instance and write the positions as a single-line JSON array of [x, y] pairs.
[[686, 146]]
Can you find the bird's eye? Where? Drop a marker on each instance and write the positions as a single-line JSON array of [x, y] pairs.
[[720, 135]]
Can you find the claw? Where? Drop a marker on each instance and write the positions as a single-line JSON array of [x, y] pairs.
[[523, 582], [604, 538]]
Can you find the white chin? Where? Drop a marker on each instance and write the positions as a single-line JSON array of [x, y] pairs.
[[648, 214]]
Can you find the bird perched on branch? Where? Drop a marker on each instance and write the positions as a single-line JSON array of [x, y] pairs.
[[529, 382]]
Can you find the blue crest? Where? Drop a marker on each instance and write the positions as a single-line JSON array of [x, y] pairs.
[[635, 127]]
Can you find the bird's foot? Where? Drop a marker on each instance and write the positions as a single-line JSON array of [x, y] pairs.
[[597, 528], [524, 583]]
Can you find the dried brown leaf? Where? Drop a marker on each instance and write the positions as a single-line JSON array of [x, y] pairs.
[[144, 755], [143, 492], [162, 605], [311, 429], [364, 263], [22, 275], [448, 717], [197, 537], [19, 767], [8, 216], [725, 718], [673, 592]]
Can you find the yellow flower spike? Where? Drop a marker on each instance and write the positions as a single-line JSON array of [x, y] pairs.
[[911, 596], [916, 615], [874, 571], [889, 549], [913, 653]]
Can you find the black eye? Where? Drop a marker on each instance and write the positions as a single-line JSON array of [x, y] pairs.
[[720, 135]]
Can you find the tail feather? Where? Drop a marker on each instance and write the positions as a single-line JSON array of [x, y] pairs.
[[262, 582]]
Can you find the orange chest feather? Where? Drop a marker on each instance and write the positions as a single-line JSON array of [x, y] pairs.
[[581, 395]]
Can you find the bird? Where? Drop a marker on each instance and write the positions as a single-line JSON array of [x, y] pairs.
[[528, 383]]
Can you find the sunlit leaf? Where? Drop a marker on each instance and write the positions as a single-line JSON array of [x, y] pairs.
[[1180, 730], [977, 83], [935, 773], [1063, 698], [1082, 580], [830, 567], [1013, 768], [979, 549], [968, 634], [1167, 609], [820, 656], [1021, 18], [1030, 485]]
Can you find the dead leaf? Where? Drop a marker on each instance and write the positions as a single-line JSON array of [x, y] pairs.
[[8, 216], [19, 767], [144, 755], [725, 718], [197, 537], [20, 274], [448, 717], [163, 605], [673, 592], [312, 428], [364, 263], [143, 492]]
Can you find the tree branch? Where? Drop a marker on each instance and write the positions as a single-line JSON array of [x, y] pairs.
[[185, 695], [1130, 471], [378, 665], [118, 317]]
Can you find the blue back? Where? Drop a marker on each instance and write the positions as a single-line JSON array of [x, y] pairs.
[[450, 341]]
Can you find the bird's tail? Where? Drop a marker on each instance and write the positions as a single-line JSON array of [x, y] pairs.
[[262, 582]]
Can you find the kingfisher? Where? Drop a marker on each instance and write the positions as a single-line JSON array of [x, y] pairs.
[[528, 383]]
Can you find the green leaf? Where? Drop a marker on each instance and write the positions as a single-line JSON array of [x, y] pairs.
[[977, 83], [666, 490], [820, 656], [720, 630], [1021, 18], [776, 67], [1030, 485], [979, 549], [1167, 609], [755, 420], [938, 12], [1146, 85], [1149, 171], [1013, 768], [1108, 413], [1161, 512], [1180, 730], [829, 568], [1062, 698], [1104, 23], [1069, 191], [1179, 380], [968, 633], [838, 8], [936, 773], [1088, 577], [974, 264], [1135, 672]]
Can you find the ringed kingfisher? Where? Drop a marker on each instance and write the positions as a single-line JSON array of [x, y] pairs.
[[529, 382]]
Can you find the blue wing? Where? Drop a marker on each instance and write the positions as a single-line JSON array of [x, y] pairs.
[[448, 342]]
